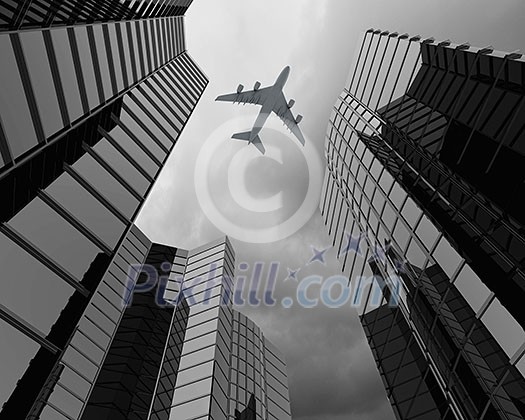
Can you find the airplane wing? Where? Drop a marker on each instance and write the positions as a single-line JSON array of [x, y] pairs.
[[285, 114], [249, 97]]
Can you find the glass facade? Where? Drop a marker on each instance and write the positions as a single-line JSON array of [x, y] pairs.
[[423, 158], [23, 14], [258, 373], [58, 77], [92, 101], [193, 356], [126, 381]]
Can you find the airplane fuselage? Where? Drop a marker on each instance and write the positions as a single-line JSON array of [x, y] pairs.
[[268, 105]]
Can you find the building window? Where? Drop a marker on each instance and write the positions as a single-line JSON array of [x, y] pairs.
[[14, 109], [30, 289], [472, 288], [16, 351], [42, 81], [503, 327], [48, 231], [447, 257]]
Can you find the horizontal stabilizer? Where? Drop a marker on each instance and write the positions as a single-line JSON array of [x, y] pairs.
[[242, 136], [246, 136]]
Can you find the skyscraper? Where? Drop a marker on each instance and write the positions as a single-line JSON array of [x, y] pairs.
[[425, 153], [93, 97], [193, 357]]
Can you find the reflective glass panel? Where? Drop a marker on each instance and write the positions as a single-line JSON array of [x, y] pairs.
[[472, 288], [134, 151], [14, 109], [190, 391], [427, 232], [366, 62], [370, 92], [103, 61], [146, 120], [183, 85], [117, 65], [398, 79], [168, 112], [142, 50], [56, 237], [30, 289], [106, 184], [503, 327], [150, 47], [397, 196], [79, 362], [86, 63], [125, 47], [41, 80], [67, 72], [136, 55], [389, 216], [383, 75], [87, 209], [191, 409], [415, 255], [16, 351], [122, 166], [65, 401], [447, 257], [200, 318], [411, 212], [49, 413], [401, 235], [201, 371], [74, 382], [81, 342]]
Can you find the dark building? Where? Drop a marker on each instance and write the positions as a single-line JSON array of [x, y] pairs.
[[425, 162], [93, 97]]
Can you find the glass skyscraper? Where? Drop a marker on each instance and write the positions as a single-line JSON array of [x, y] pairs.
[[180, 350], [89, 112], [94, 96], [425, 156]]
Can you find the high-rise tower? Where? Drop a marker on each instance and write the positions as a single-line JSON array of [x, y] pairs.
[[180, 350], [93, 97], [425, 151]]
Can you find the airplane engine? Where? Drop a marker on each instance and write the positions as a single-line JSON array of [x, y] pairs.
[[298, 119], [291, 102], [257, 86], [240, 88]]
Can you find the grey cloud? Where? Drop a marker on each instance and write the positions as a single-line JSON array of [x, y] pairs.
[[330, 366]]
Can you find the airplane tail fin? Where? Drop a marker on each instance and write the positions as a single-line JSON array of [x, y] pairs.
[[242, 136], [246, 136]]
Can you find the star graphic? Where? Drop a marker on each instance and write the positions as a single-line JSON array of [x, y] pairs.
[[353, 244], [292, 274], [318, 255], [400, 266], [379, 253]]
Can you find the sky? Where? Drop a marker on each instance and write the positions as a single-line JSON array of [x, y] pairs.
[[331, 371]]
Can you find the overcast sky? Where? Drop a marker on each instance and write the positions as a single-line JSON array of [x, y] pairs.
[[331, 372]]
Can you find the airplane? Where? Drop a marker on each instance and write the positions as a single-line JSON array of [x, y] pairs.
[[271, 98]]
